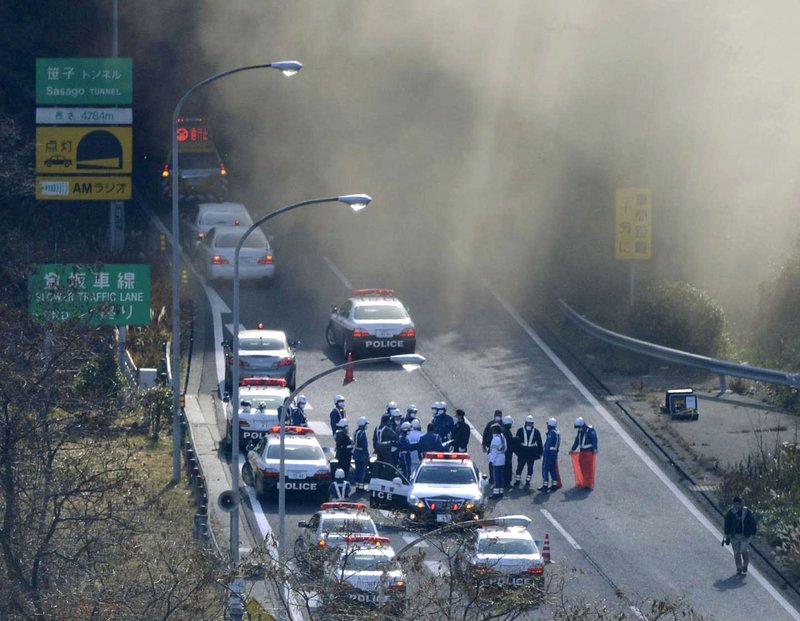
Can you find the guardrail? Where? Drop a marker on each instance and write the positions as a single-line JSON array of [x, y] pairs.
[[675, 356]]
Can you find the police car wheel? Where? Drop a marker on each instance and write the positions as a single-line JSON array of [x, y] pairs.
[[330, 336], [247, 475]]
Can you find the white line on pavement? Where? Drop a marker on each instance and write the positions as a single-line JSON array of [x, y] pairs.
[[560, 529], [338, 273]]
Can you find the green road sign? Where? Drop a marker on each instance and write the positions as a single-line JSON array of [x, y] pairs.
[[111, 295], [84, 81]]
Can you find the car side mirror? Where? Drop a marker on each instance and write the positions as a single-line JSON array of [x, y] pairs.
[[334, 308], [302, 524]]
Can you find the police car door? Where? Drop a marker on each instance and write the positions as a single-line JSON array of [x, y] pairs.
[[389, 493]]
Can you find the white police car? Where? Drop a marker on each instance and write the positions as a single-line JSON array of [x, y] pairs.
[[502, 553], [443, 488], [263, 396], [372, 322], [364, 571], [330, 528], [305, 466]]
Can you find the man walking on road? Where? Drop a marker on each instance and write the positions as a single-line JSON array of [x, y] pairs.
[[740, 527]]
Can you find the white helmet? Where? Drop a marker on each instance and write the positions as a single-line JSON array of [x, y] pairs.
[[392, 405], [507, 420], [396, 413], [339, 474], [529, 419], [337, 398], [362, 421], [579, 422], [416, 424], [262, 405], [405, 426], [552, 422], [301, 401], [342, 422], [412, 409]]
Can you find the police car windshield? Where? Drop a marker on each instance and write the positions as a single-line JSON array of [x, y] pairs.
[[445, 475], [348, 525], [296, 452], [273, 402], [263, 344], [504, 545], [379, 312], [366, 562]]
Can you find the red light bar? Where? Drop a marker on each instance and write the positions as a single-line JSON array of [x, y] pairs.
[[260, 326], [343, 505], [446, 456], [378, 541], [362, 292], [293, 429], [263, 381]]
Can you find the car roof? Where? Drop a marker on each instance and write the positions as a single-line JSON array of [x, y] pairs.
[[280, 391], [223, 229], [512, 532], [224, 206], [256, 333]]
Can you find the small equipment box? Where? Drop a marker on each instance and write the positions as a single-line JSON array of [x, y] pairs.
[[681, 403]]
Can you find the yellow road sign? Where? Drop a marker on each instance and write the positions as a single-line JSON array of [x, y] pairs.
[[83, 150], [74, 188], [633, 236]]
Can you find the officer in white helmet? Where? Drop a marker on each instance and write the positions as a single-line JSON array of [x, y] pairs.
[[299, 412], [585, 438], [529, 449], [414, 434], [337, 413], [552, 443], [404, 449], [340, 487], [344, 447], [361, 453], [585, 446]]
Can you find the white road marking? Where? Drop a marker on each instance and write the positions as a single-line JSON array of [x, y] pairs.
[[411, 537], [319, 427], [338, 273], [637, 450], [560, 529], [229, 326], [437, 568], [218, 307]]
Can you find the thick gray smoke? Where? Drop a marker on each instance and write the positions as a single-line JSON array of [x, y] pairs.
[[510, 124]]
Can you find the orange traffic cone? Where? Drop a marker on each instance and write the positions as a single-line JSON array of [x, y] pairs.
[[348, 372], [546, 549]]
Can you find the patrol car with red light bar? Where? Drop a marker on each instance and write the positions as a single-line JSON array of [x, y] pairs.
[[372, 322], [262, 353], [264, 395], [445, 487], [330, 528], [364, 571], [501, 556], [306, 467]]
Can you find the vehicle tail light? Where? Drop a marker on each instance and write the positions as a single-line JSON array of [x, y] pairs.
[[345, 584], [456, 506], [322, 543], [433, 506], [200, 235], [408, 332], [265, 260], [243, 423], [360, 332], [270, 474], [165, 171], [536, 570], [483, 568], [322, 474], [284, 362], [219, 260], [222, 170], [399, 585]]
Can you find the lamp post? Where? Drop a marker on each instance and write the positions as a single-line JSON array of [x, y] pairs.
[[288, 68], [357, 202], [409, 362]]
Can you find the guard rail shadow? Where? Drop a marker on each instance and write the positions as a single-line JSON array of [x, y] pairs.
[[723, 368]]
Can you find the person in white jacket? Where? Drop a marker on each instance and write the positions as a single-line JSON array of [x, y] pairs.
[[497, 459]]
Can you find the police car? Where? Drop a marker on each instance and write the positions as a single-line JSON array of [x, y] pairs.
[[330, 528], [372, 322], [305, 465], [264, 396], [443, 488], [502, 554], [364, 571]]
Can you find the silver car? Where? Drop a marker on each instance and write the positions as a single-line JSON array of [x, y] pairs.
[[197, 220], [262, 353], [214, 257]]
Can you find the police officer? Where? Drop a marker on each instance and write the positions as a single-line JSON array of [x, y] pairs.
[[298, 412], [585, 438], [413, 442], [442, 421], [429, 442], [337, 413], [361, 453], [404, 449], [529, 449], [411, 413], [344, 446], [385, 447], [487, 431], [508, 434], [340, 487], [552, 443], [461, 433], [497, 459], [397, 419]]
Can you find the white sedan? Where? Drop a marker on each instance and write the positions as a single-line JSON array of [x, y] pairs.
[[214, 257]]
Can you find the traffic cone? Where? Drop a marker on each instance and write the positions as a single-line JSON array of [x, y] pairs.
[[348, 372], [546, 549]]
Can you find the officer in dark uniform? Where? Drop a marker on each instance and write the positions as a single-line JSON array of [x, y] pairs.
[[460, 433], [337, 413], [344, 447], [529, 449], [487, 431], [361, 453]]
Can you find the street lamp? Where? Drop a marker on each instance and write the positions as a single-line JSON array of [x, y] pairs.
[[288, 68], [409, 362], [357, 202]]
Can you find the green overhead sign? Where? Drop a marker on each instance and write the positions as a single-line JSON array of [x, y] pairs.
[[111, 295], [80, 81]]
